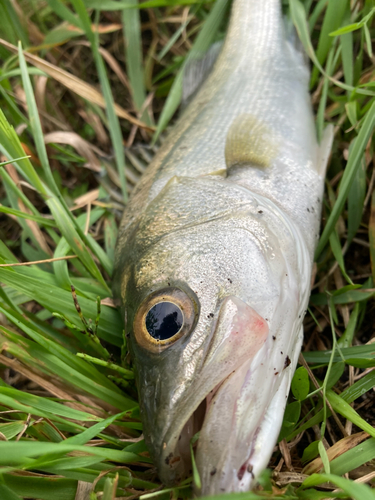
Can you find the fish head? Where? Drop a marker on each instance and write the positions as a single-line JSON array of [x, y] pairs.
[[201, 281]]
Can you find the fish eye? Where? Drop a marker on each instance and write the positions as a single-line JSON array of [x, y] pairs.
[[165, 316], [164, 320]]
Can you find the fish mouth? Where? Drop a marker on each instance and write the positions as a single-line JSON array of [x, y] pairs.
[[179, 461], [193, 426]]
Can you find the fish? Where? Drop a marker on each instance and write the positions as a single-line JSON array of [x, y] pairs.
[[214, 258]]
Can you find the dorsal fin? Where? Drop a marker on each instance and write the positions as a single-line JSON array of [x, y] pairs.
[[324, 150], [196, 72], [249, 141]]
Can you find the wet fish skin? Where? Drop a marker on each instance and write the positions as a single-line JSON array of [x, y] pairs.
[[228, 212]]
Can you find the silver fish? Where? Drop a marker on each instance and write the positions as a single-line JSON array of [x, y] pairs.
[[214, 258]]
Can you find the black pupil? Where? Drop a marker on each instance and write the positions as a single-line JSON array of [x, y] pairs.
[[164, 320]]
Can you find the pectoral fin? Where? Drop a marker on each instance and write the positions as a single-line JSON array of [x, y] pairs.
[[250, 142]]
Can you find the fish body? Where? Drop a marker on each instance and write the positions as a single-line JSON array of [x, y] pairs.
[[214, 258]]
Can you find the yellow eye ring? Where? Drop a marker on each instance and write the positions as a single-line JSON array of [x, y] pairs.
[[163, 317]]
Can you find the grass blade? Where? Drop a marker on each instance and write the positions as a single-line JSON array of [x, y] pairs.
[[371, 230], [344, 409], [356, 198], [333, 17], [11, 24], [133, 50], [356, 491], [346, 353], [16, 452], [354, 458], [36, 127], [11, 147], [354, 162], [41, 220], [7, 494], [346, 41], [62, 11], [36, 487], [355, 26]]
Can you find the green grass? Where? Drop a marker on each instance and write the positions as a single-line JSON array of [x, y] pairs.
[[69, 416]]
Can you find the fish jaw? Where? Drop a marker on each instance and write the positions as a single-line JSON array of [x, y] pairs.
[[231, 456], [239, 334]]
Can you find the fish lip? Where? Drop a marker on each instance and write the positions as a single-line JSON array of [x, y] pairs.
[[175, 465], [174, 461]]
